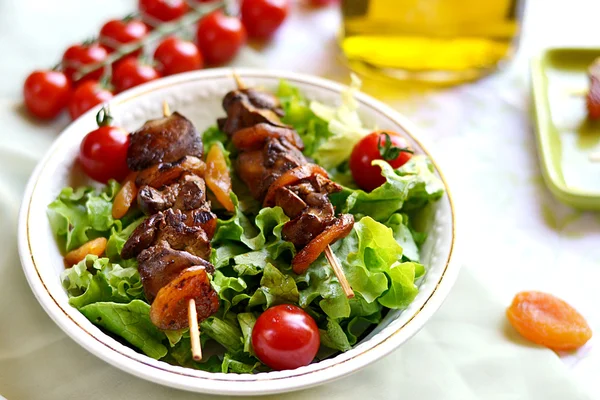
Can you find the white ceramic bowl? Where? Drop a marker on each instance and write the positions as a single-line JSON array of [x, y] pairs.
[[198, 96]]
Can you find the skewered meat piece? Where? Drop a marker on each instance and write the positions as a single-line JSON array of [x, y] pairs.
[[340, 228], [273, 167], [187, 194], [174, 227], [169, 308], [166, 173], [163, 140], [142, 237], [160, 264], [254, 137], [258, 169], [248, 107]]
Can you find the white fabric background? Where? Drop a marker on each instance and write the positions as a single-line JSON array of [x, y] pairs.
[[515, 236]]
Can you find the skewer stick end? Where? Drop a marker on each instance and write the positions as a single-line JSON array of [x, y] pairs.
[[238, 81], [194, 331], [339, 272], [166, 109]]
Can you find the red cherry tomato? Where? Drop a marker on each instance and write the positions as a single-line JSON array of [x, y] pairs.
[[174, 56], [220, 37], [131, 72], [118, 32], [46, 93], [86, 96], [285, 337], [80, 55], [377, 146], [261, 18], [163, 10], [103, 152]]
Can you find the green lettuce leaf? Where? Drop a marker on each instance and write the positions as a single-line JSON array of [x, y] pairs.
[[275, 288], [402, 289], [247, 321], [404, 236], [334, 336], [98, 280], [224, 331], [211, 136], [132, 322], [312, 129], [323, 284], [239, 363], [239, 228], [227, 288], [77, 216]]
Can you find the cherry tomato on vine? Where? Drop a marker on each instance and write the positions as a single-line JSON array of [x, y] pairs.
[[81, 55], [220, 37], [46, 93], [163, 10], [103, 152], [131, 72], [117, 32], [285, 337], [261, 18], [174, 55], [379, 145], [86, 96]]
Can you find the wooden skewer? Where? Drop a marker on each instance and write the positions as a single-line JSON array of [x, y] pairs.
[[339, 272], [331, 258], [194, 331], [166, 109], [192, 316], [238, 81]]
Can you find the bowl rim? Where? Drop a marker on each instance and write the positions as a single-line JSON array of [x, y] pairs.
[[177, 376]]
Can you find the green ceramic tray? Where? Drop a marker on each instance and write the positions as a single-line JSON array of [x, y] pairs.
[[566, 138]]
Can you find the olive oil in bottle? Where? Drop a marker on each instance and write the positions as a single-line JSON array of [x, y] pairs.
[[438, 41]]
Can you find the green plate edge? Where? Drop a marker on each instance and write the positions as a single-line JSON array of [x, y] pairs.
[[546, 145]]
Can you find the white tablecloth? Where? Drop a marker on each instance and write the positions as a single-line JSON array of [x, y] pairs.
[[515, 235]]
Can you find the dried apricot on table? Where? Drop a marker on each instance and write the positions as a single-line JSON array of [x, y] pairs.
[[547, 320]]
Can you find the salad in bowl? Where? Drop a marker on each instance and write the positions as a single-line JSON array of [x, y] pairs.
[[262, 237], [278, 237]]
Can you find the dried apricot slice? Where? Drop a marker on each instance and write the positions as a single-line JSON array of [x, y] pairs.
[[547, 320], [217, 177]]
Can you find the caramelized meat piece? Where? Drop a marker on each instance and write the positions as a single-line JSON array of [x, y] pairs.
[[170, 307], [254, 137], [262, 99], [160, 264], [289, 201], [181, 236], [152, 200], [250, 167], [260, 168], [337, 230], [181, 231], [203, 218], [191, 193], [163, 174], [246, 108], [142, 237], [291, 177], [163, 140], [307, 225]]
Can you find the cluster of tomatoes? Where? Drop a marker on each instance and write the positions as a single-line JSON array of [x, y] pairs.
[[219, 37]]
